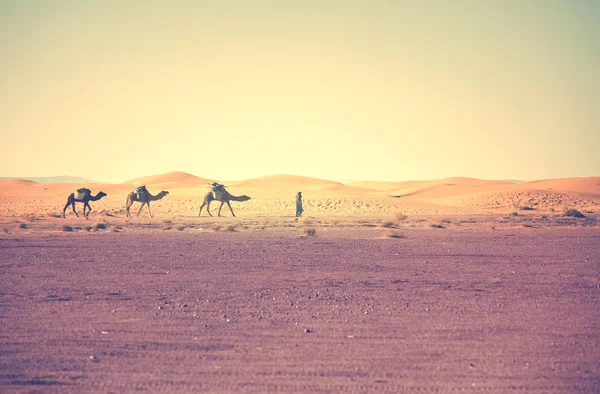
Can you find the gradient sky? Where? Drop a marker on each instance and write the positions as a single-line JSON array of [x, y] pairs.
[[341, 90]]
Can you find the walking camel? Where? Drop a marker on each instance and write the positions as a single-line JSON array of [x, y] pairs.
[[85, 196], [220, 195], [143, 196]]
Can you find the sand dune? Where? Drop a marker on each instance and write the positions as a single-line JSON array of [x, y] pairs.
[[174, 179], [274, 195], [580, 185], [281, 179]]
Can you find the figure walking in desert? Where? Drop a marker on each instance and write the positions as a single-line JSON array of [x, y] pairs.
[[141, 194], [84, 196], [299, 208], [219, 193]]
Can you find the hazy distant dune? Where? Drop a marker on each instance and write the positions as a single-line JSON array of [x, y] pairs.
[[171, 179]]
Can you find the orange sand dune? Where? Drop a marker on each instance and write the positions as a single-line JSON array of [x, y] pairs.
[[277, 180], [447, 187], [385, 186], [174, 179], [580, 185]]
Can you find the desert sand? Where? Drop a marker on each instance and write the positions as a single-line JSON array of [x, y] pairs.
[[455, 285]]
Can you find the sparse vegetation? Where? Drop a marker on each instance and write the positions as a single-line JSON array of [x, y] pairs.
[[387, 224], [573, 213], [217, 227], [167, 221], [437, 225], [526, 208], [23, 225], [230, 228], [310, 231], [181, 227], [117, 229], [514, 214], [100, 226], [66, 227], [394, 234], [166, 227], [88, 228]]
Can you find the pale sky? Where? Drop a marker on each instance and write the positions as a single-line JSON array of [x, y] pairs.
[[340, 90]]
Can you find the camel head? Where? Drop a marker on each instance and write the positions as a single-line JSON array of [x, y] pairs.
[[162, 194], [244, 198], [101, 194]]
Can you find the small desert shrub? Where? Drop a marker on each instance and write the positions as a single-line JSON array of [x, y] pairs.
[[394, 234], [526, 208], [400, 217], [529, 225], [23, 225], [217, 227], [66, 227], [230, 228], [167, 221], [573, 213], [117, 229], [387, 224], [310, 231], [335, 222], [88, 228], [180, 227], [514, 214], [437, 225], [166, 227], [100, 226]]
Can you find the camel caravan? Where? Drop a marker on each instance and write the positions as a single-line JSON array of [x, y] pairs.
[[143, 196]]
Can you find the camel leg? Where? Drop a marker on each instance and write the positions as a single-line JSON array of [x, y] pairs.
[[148, 203], [208, 208], [65, 209], [128, 205], [89, 209], [221, 206], [138, 215], [201, 206], [229, 205], [74, 211]]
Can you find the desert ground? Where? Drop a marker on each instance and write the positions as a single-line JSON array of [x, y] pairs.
[[457, 285]]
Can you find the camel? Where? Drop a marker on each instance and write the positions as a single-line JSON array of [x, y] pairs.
[[144, 198], [223, 196], [84, 196]]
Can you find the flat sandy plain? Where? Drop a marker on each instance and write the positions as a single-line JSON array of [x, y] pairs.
[[399, 301]]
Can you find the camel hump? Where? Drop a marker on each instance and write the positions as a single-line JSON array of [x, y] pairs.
[[81, 193]]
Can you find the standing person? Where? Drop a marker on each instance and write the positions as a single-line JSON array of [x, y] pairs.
[[299, 208]]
